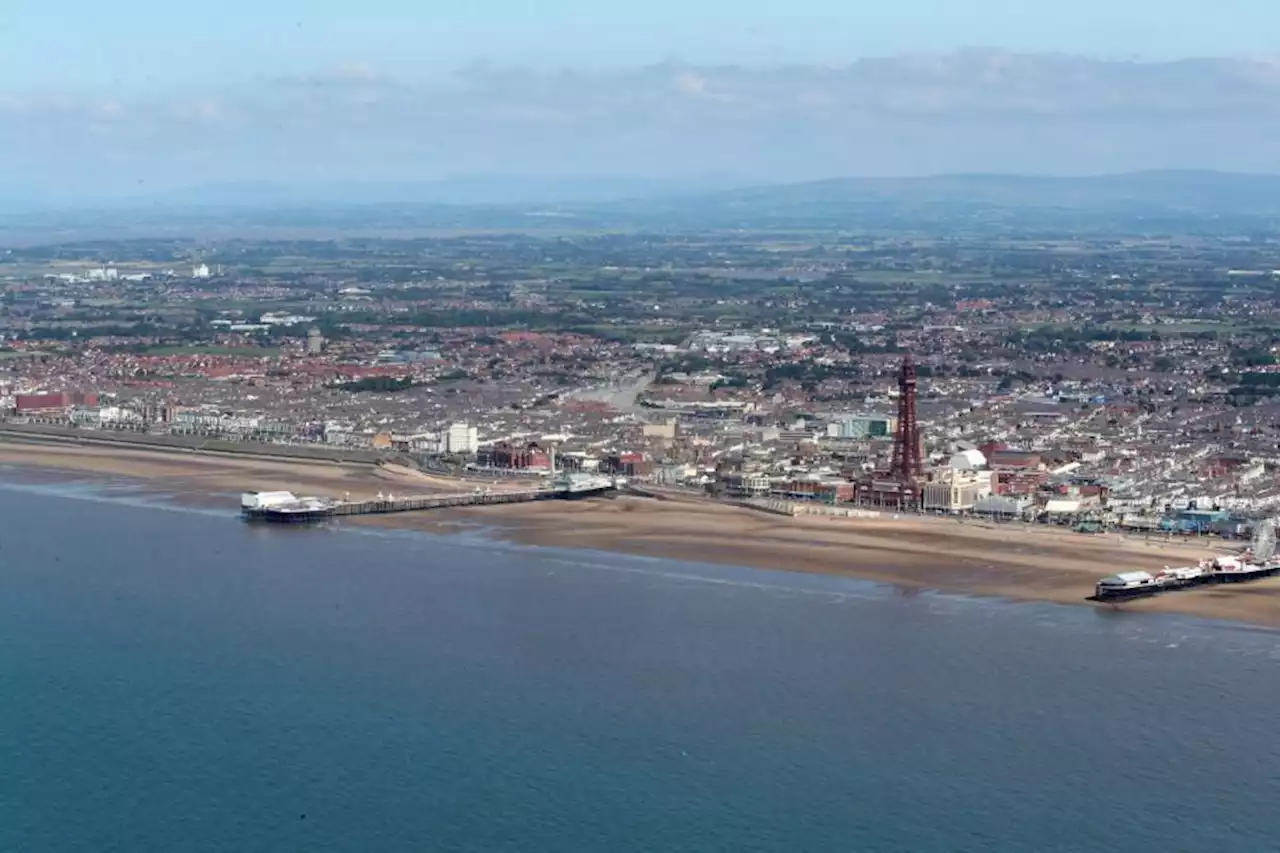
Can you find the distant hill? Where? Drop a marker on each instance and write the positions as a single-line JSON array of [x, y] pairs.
[[1145, 196], [1187, 190]]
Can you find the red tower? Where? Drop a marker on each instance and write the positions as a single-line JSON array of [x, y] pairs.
[[908, 464]]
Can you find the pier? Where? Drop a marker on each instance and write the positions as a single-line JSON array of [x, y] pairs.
[[287, 508], [1258, 561]]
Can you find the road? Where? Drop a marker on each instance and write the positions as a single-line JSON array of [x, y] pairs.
[[621, 395]]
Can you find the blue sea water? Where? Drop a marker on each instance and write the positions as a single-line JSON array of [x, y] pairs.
[[175, 680]]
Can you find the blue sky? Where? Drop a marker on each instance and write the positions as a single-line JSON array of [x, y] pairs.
[[130, 44], [101, 97]]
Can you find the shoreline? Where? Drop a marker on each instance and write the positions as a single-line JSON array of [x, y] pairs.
[[1016, 563]]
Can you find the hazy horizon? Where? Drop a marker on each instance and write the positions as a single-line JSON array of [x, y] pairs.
[[141, 99], [1210, 190]]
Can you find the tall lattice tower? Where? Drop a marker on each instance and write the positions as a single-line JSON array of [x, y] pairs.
[[908, 462]]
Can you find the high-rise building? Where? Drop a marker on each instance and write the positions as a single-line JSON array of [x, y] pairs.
[[462, 440], [861, 426]]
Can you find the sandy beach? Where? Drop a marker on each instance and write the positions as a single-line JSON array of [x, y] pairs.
[[1007, 561], [199, 476]]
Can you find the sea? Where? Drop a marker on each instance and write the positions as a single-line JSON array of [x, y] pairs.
[[173, 679]]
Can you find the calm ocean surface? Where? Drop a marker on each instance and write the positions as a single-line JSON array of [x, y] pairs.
[[175, 680]]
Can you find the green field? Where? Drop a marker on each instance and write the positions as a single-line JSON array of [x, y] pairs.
[[1188, 328]]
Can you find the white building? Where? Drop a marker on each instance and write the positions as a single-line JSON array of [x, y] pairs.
[[201, 271], [748, 485], [115, 415], [462, 440], [968, 460], [277, 318], [956, 491], [103, 274], [860, 426], [338, 433]]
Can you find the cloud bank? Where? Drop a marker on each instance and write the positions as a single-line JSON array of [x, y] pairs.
[[977, 110]]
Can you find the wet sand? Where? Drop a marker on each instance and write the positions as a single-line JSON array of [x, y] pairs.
[[199, 476], [1007, 561]]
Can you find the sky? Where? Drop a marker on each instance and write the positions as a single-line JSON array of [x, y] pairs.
[[100, 97]]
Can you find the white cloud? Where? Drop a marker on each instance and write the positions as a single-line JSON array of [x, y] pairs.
[[343, 75], [974, 110], [109, 109], [689, 83], [357, 72], [203, 110]]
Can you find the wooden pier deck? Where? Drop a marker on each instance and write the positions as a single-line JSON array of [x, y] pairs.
[[410, 504], [308, 510]]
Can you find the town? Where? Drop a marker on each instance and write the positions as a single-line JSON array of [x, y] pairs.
[[1091, 383]]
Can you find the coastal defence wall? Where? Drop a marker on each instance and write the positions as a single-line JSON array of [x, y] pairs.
[[773, 506], [44, 433], [835, 511], [794, 509]]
